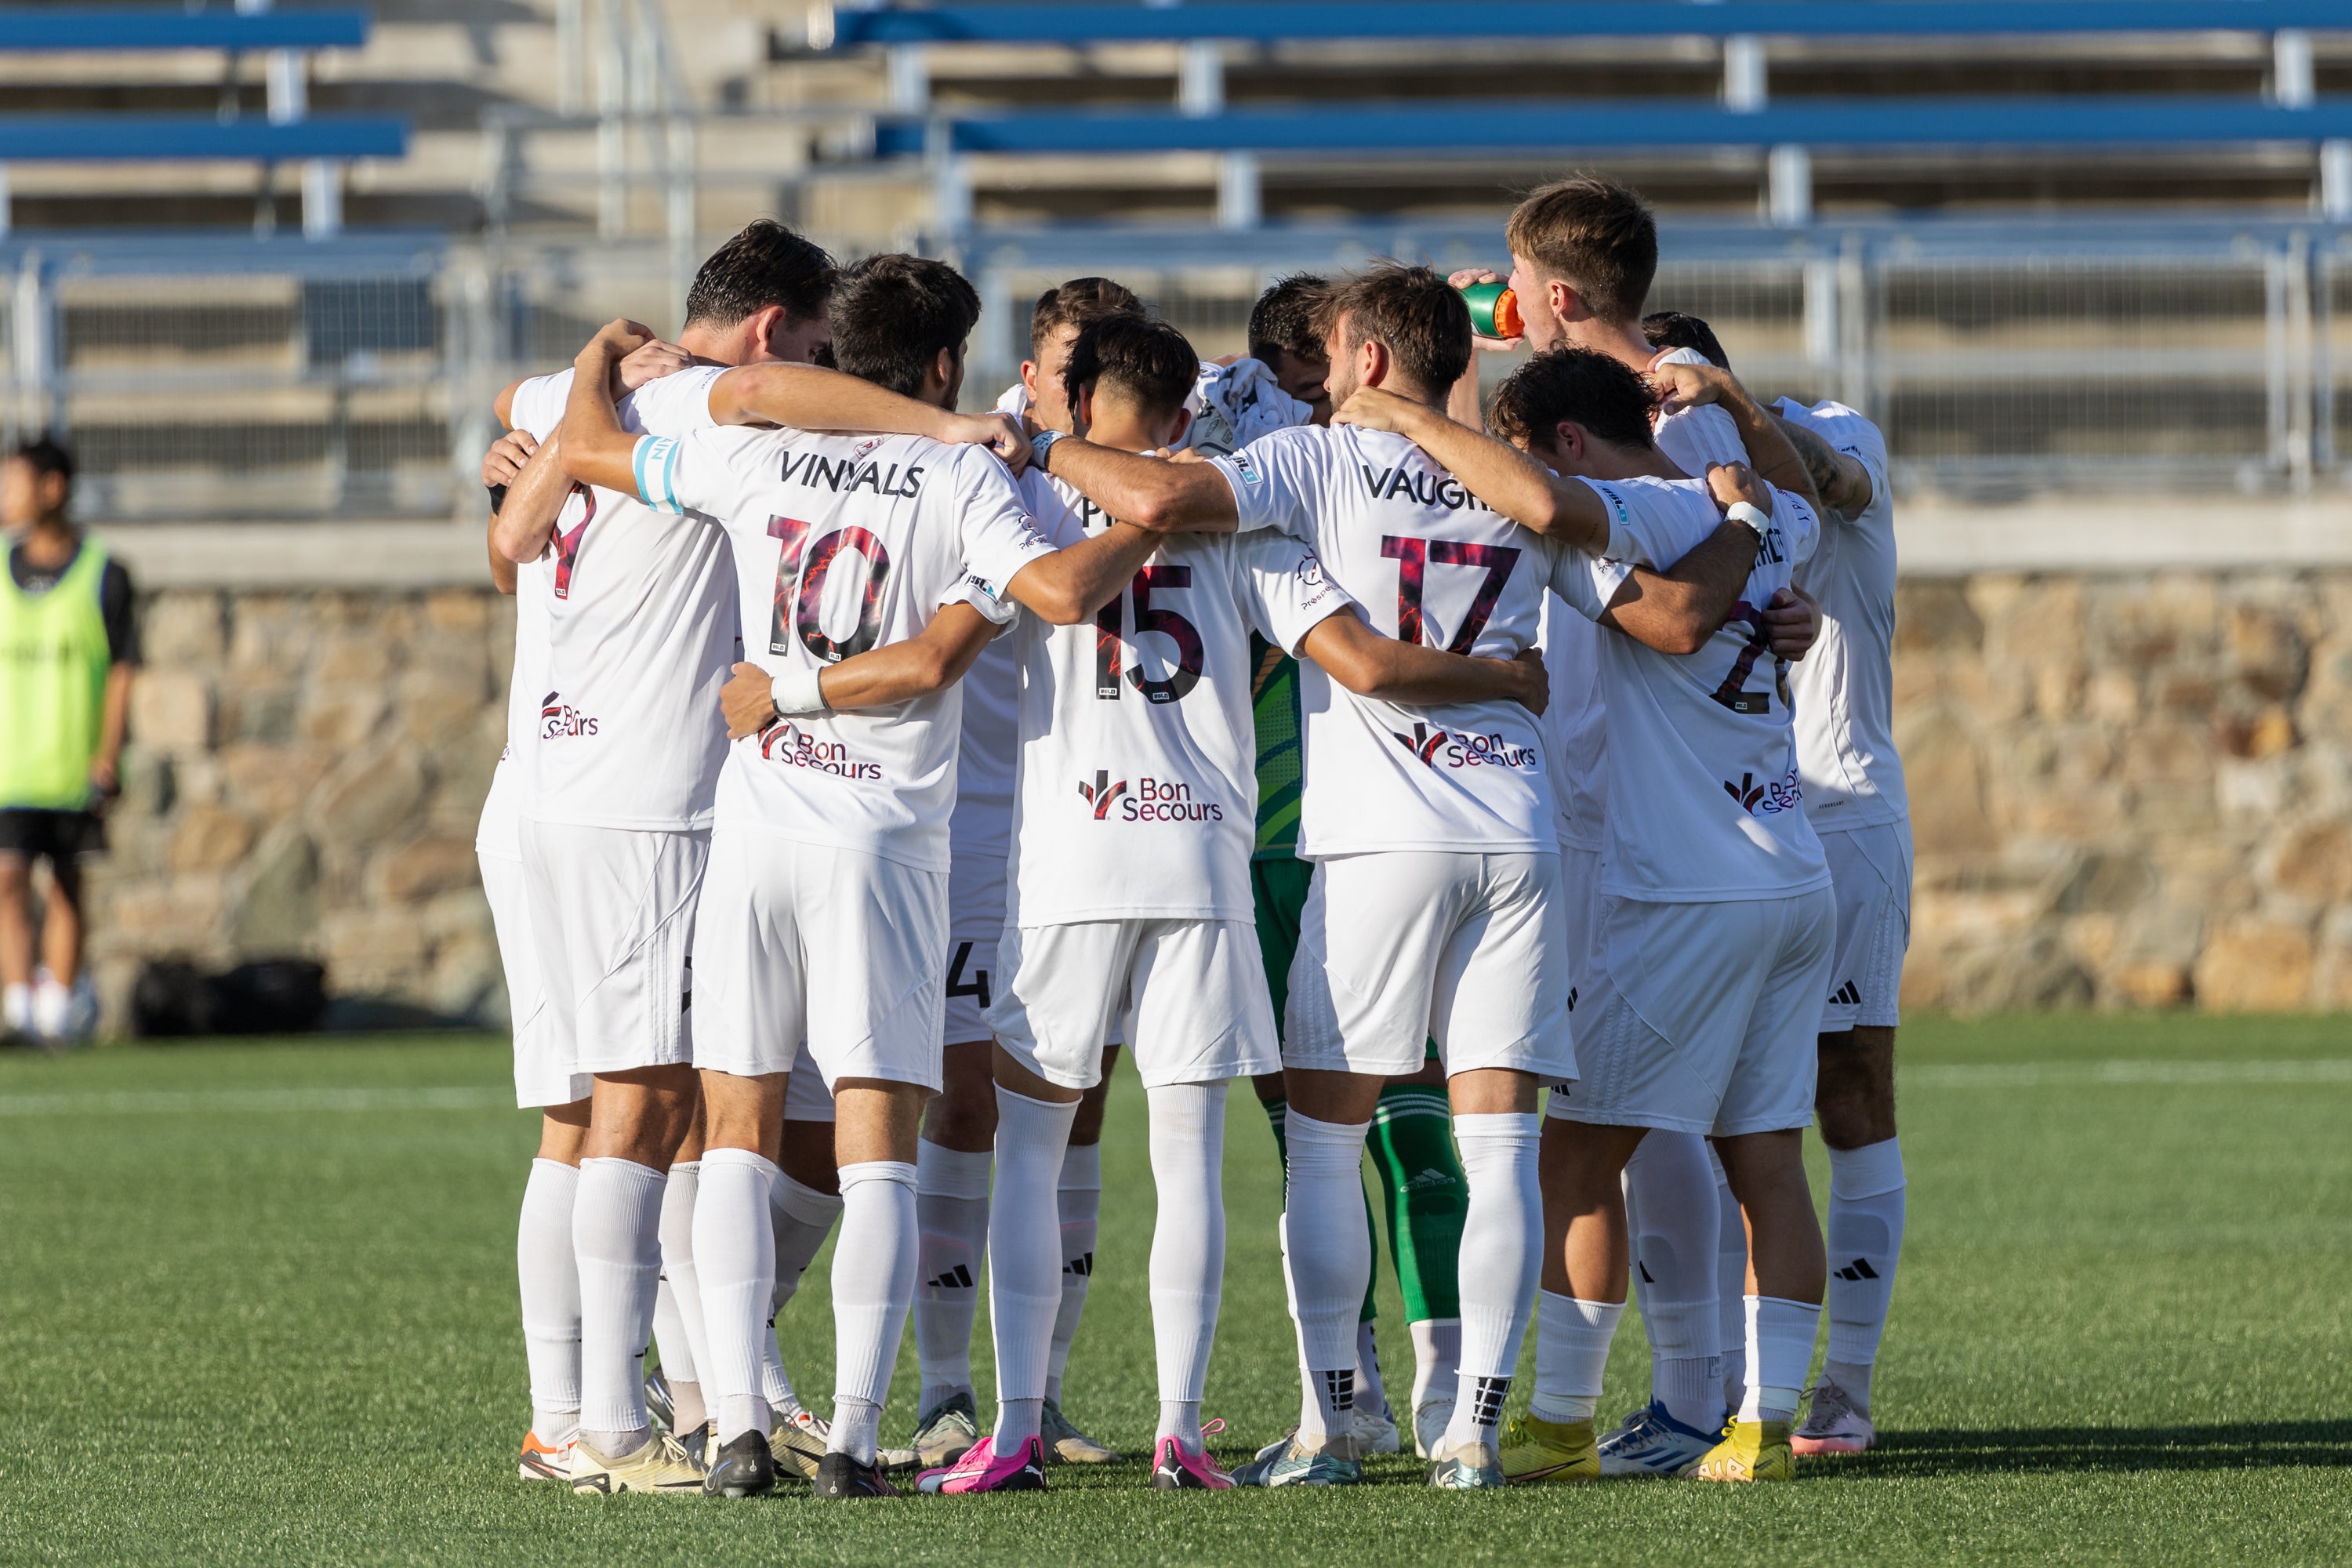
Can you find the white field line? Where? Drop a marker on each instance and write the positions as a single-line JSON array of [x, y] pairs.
[[183, 1102], [2088, 1075]]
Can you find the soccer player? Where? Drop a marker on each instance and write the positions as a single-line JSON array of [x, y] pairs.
[[1717, 932], [1435, 907], [615, 810], [68, 651], [1854, 796], [1132, 894], [953, 1161], [824, 919]]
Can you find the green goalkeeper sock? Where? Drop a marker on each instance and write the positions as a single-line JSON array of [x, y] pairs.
[[1427, 1195]]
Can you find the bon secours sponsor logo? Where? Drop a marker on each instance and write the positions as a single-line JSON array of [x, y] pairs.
[[1440, 748], [558, 719], [1151, 800], [1767, 798], [786, 742]]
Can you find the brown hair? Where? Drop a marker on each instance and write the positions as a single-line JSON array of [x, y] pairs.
[[1148, 361], [1593, 389], [1074, 304], [1418, 316], [1593, 235]]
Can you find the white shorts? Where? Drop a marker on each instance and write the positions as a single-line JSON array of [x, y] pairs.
[[1191, 992], [976, 899], [815, 954], [1872, 869], [1706, 1017], [806, 1098], [1579, 897], [1401, 947], [542, 1061], [612, 918]]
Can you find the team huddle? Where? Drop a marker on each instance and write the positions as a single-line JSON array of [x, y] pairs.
[[876, 773]]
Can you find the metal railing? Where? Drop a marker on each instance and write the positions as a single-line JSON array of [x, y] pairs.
[[233, 379]]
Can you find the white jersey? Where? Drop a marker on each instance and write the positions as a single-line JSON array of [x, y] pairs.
[[1845, 686], [1694, 435], [641, 631], [1396, 529], [1704, 802], [1139, 748], [844, 544], [501, 832], [987, 752]]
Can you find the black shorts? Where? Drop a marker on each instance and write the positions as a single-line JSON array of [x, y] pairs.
[[57, 836]]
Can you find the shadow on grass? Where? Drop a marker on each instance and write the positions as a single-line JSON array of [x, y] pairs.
[[2253, 1445]]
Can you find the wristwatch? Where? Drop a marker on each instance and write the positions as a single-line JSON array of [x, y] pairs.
[[1039, 445]]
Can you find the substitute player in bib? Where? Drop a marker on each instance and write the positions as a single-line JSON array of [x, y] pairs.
[[1407, 933], [826, 916], [959, 1128], [1855, 798], [1134, 825], [1716, 938]]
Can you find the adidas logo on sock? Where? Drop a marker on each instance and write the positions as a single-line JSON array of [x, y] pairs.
[[1857, 1270], [1847, 995], [956, 1279], [1428, 1179], [1082, 1266]]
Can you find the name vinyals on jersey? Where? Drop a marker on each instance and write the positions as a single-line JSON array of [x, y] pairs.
[[841, 474], [1429, 489], [1444, 748], [786, 742], [1152, 800], [558, 719]]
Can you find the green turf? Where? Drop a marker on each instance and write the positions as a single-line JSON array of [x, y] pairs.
[[282, 1335]]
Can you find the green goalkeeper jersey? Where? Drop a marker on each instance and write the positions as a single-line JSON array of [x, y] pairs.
[[1274, 695]]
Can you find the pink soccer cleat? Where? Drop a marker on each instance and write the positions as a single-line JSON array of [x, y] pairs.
[[1174, 1470], [1832, 1426], [983, 1469]]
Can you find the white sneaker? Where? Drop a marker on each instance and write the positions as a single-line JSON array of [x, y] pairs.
[[52, 1011], [16, 1009], [1376, 1432], [1833, 1425], [1429, 1423]]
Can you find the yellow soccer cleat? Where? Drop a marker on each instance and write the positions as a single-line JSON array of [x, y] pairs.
[[661, 1466], [1536, 1450], [1750, 1451]]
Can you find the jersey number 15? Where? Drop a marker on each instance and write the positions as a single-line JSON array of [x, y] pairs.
[[1109, 626]]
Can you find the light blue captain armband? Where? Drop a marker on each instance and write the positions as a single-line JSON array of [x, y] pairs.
[[654, 462]]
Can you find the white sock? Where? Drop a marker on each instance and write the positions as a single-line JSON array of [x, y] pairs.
[[1571, 1353], [615, 1224], [1501, 1258], [1436, 1357], [1730, 1286], [1372, 1393], [1078, 1197], [873, 1287], [1674, 1230], [1330, 1251], [1779, 1350], [1866, 1239], [1187, 1246], [52, 1008], [952, 1202], [677, 1273], [678, 1371], [801, 1217], [17, 1007], [1024, 1255], [551, 1299], [735, 1263]]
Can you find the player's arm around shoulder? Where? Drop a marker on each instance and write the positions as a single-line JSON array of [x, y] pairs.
[[597, 449], [526, 516], [1496, 472], [811, 397], [932, 660], [1146, 491]]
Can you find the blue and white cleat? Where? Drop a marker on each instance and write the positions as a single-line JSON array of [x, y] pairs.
[[1292, 1464], [1649, 1442]]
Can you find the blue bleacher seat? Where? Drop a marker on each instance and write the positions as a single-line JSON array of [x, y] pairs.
[[124, 28]]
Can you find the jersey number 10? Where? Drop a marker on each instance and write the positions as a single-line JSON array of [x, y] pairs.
[[802, 615]]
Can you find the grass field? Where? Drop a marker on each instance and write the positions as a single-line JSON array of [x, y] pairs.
[[256, 1305]]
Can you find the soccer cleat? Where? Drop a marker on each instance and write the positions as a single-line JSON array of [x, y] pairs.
[[544, 1461], [743, 1466], [698, 1443], [983, 1469], [799, 1447], [1649, 1442], [1466, 1467], [1173, 1469], [946, 1432], [658, 1403], [1535, 1450], [1429, 1420], [659, 1465], [1376, 1432], [1293, 1464], [839, 1476], [1750, 1451], [1832, 1426], [1066, 1443]]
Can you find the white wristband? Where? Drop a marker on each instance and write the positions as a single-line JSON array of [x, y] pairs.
[[1741, 511], [796, 695]]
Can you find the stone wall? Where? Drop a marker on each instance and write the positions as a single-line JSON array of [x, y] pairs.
[[2126, 790]]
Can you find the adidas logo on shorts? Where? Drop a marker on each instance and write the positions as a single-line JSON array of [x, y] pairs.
[[1847, 995]]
